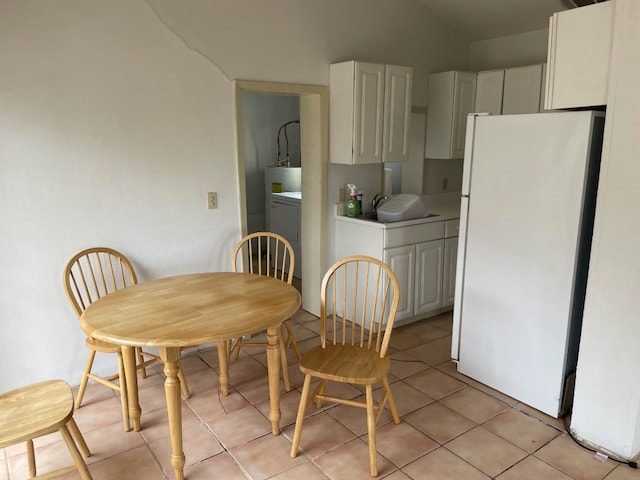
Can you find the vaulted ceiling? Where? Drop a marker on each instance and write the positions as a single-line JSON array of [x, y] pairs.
[[484, 19]]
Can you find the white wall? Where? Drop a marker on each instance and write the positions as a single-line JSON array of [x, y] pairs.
[[607, 395], [118, 117], [526, 48], [110, 130], [437, 170]]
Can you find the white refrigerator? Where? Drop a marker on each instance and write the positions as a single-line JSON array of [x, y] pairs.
[[528, 200]]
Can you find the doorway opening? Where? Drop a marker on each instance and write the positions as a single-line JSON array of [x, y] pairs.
[[313, 133], [273, 169]]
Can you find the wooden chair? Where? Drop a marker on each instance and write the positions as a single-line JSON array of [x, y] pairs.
[[39, 409], [88, 276], [267, 253], [358, 302]]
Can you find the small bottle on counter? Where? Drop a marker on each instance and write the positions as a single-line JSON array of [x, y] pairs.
[[360, 194], [353, 206]]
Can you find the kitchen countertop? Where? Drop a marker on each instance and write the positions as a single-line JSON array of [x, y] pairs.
[[294, 195], [440, 207]]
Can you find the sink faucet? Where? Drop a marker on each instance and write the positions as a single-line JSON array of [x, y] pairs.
[[376, 201]]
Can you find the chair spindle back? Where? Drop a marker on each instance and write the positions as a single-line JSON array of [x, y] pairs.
[[95, 272], [264, 253], [358, 303]]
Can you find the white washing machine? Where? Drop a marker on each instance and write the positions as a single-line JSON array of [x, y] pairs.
[[280, 179], [285, 209]]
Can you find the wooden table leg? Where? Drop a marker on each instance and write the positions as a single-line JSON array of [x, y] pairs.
[[131, 379], [223, 361], [273, 364], [170, 357]]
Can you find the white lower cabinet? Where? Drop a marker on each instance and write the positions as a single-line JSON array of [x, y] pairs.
[[419, 271], [416, 253], [428, 284], [402, 261], [285, 221]]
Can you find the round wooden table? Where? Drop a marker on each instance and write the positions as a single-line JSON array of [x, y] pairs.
[[189, 310]]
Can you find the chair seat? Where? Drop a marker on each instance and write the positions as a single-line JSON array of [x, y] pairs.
[[345, 363], [102, 347], [34, 410]]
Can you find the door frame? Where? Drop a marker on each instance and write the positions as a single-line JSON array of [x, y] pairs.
[[314, 142]]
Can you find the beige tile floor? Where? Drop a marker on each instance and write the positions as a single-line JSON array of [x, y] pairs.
[[452, 427]]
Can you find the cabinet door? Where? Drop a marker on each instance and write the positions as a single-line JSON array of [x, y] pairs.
[[428, 283], [341, 112], [522, 89], [579, 55], [397, 112], [464, 100], [489, 92], [368, 113], [449, 274], [439, 115], [402, 261], [450, 97]]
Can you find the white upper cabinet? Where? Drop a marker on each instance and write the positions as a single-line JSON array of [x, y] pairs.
[[512, 90], [489, 92], [450, 98], [370, 107], [578, 56], [522, 87]]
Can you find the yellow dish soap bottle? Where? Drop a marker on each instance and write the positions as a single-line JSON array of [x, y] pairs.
[[353, 205]]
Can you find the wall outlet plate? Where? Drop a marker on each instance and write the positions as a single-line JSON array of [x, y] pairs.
[[212, 200]]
